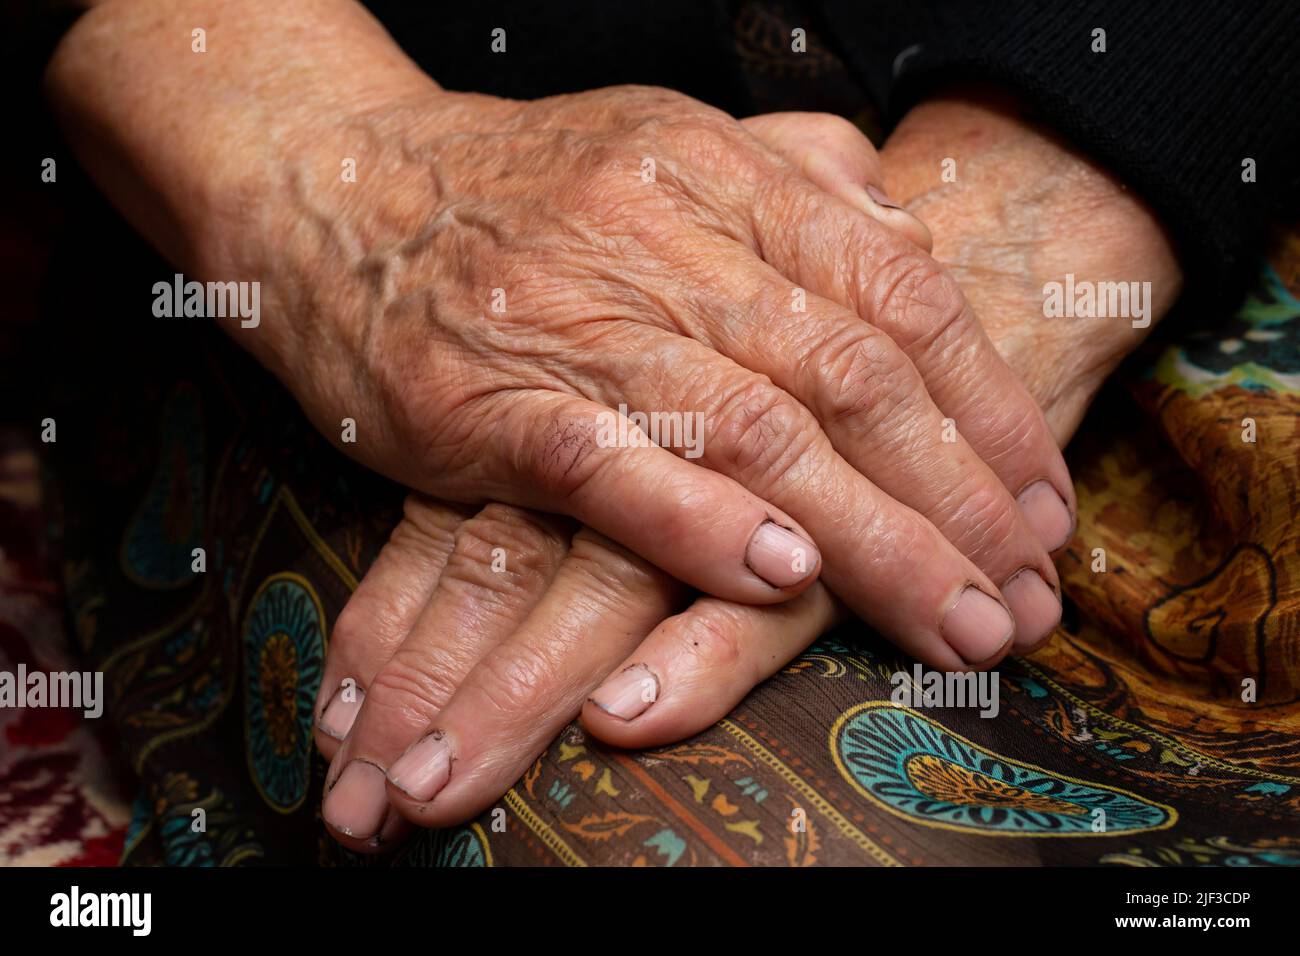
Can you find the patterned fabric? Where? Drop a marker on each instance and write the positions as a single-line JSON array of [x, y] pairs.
[[1166, 704], [60, 800]]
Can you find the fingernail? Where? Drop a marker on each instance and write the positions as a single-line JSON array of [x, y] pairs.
[[424, 769], [340, 714], [628, 693], [977, 627], [1047, 514], [880, 199], [1034, 605], [358, 803], [780, 557]]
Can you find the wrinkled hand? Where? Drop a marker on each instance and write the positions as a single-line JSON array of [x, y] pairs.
[[513, 271], [451, 658], [431, 596], [451, 669]]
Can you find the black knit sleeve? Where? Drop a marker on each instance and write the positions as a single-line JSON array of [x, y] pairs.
[[1185, 93]]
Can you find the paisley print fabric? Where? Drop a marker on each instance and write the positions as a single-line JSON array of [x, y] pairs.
[[914, 767], [284, 652]]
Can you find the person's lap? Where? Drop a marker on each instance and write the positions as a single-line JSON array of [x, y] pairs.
[[212, 676]]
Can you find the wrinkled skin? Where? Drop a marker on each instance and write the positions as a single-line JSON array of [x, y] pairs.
[[463, 312], [512, 282], [581, 618], [1025, 210]]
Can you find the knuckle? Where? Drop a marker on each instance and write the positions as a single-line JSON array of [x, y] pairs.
[[829, 128], [920, 305], [979, 521], [761, 432], [502, 549], [794, 216], [562, 458], [612, 570], [889, 532], [713, 640], [405, 693], [688, 142], [634, 104], [711, 140], [424, 521], [500, 525], [865, 381], [369, 625], [350, 628], [1015, 429], [515, 684]]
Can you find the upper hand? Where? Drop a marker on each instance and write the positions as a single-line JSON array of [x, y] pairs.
[[506, 273], [499, 275]]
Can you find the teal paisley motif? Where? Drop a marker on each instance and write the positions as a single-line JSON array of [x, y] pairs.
[[193, 823], [917, 769], [1258, 348], [461, 846], [157, 550], [284, 641]]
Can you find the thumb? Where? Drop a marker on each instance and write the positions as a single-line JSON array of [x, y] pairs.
[[836, 156]]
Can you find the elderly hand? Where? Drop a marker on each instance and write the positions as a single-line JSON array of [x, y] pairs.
[[510, 274], [453, 659], [502, 277]]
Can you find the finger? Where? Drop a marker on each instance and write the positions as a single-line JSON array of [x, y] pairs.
[[888, 562], [380, 613], [568, 455], [820, 244], [501, 562], [873, 405], [603, 601], [835, 155], [701, 664]]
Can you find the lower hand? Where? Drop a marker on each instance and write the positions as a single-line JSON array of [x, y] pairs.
[[466, 661]]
